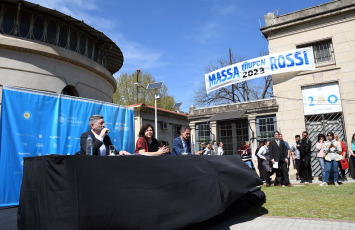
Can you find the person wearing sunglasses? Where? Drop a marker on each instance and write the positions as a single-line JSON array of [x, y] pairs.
[[332, 150]]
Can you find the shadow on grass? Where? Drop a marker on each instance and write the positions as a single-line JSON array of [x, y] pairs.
[[243, 210]]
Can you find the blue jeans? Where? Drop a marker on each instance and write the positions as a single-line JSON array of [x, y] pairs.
[[249, 164], [322, 167], [331, 166]]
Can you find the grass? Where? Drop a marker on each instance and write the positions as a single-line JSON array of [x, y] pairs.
[[311, 201]]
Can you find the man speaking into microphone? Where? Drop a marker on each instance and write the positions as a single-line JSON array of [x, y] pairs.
[[100, 140]]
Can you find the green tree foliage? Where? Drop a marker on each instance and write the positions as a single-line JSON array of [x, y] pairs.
[[126, 93]]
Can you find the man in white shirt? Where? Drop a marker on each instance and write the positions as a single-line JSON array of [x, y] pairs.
[[220, 149]]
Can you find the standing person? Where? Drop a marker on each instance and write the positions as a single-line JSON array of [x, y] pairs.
[[147, 144], [181, 145], [220, 151], [264, 155], [296, 156], [100, 140], [287, 146], [352, 150], [320, 155], [260, 160], [341, 177], [245, 154], [332, 150], [306, 154], [278, 155]]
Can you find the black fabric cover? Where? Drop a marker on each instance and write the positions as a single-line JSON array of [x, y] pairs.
[[129, 192]]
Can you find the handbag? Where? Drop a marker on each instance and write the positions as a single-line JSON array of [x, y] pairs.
[[344, 164]]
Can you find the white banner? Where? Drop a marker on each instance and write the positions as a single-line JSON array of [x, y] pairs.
[[289, 61], [321, 99]]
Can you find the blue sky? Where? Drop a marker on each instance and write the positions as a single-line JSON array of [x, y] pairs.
[[175, 40]]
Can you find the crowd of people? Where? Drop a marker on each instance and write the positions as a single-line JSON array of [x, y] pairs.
[[332, 158], [273, 156]]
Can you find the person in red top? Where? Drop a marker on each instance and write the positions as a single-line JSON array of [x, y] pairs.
[[245, 153], [147, 144], [342, 177]]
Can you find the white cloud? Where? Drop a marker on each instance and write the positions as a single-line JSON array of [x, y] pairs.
[[135, 54]]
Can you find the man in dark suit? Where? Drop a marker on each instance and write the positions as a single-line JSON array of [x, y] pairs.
[[100, 140], [278, 153], [181, 144]]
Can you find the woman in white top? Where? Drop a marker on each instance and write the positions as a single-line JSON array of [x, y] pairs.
[[265, 155]]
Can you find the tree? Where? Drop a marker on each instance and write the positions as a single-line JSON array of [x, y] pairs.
[[244, 91], [126, 92]]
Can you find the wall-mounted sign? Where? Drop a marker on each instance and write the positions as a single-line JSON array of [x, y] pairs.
[[288, 61], [321, 99]]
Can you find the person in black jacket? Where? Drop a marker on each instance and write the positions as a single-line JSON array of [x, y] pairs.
[[278, 155], [100, 140], [305, 158]]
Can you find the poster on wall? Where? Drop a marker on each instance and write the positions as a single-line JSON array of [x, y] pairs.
[[320, 99], [35, 123]]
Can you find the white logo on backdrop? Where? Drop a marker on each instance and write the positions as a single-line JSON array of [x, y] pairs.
[[61, 119]]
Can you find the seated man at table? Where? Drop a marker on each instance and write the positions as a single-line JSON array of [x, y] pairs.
[[181, 145], [100, 140]]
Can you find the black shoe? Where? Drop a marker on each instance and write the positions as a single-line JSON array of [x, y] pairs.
[[310, 181], [302, 181]]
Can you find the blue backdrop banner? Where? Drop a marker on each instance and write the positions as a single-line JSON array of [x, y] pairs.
[[35, 123]]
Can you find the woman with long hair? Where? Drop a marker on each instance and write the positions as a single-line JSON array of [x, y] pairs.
[[342, 177], [332, 150], [147, 144], [320, 155]]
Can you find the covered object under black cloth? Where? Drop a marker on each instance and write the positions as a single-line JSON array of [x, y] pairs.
[[129, 192]]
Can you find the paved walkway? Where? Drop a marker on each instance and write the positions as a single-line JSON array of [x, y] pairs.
[[284, 223]]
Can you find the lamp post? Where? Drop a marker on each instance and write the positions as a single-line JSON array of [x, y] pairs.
[[138, 71], [156, 86]]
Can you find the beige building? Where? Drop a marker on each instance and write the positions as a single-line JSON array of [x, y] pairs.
[[323, 99], [46, 50], [169, 122]]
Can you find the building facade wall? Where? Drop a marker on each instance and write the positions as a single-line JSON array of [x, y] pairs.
[[340, 28], [334, 21], [31, 65]]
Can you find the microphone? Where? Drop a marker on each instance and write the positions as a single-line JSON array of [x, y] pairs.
[[107, 131]]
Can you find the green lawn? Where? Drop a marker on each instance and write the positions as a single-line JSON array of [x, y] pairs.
[[311, 201]]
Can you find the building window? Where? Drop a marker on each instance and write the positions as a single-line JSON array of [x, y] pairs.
[[231, 133], [203, 133], [323, 52], [176, 131], [70, 90], [265, 127]]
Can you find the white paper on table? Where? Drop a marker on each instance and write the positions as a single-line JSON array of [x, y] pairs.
[[275, 165]]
